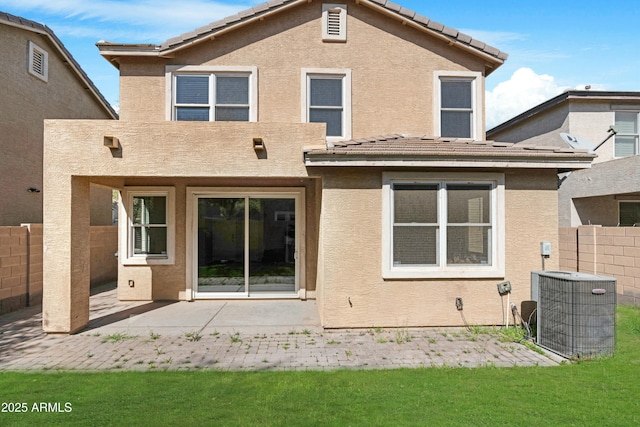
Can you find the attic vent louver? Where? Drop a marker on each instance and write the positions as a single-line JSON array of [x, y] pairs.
[[38, 61], [334, 22]]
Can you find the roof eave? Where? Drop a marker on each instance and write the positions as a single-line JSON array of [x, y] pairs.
[[358, 160], [112, 51], [495, 61]]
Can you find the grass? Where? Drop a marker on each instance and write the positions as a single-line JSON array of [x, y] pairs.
[[237, 270], [600, 392], [117, 337]]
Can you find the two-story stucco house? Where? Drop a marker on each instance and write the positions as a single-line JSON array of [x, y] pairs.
[[605, 122], [305, 149], [39, 79]]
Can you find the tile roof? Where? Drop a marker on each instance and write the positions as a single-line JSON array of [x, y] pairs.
[[273, 6], [435, 148], [36, 27]]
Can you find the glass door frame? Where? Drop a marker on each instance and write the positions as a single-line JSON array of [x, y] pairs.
[[194, 194]]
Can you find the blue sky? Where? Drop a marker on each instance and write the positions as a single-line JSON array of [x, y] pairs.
[[552, 45]]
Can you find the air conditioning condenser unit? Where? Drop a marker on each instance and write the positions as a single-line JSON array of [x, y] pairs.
[[575, 313]]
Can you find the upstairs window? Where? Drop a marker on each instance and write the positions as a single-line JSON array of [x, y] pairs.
[[38, 62], [459, 106], [456, 112], [626, 140], [327, 99], [215, 95]]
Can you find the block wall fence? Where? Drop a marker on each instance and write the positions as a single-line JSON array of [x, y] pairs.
[[605, 251], [21, 263]]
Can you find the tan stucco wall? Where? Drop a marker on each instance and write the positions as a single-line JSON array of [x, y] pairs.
[[25, 102], [174, 154], [390, 92], [351, 252]]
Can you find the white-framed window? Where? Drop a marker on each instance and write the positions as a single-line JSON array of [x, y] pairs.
[[220, 93], [626, 139], [443, 225], [148, 233], [458, 104], [334, 22], [38, 62], [629, 213], [326, 98]]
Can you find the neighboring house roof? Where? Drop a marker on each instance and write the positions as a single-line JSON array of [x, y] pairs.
[[408, 150], [567, 96], [112, 51], [43, 30]]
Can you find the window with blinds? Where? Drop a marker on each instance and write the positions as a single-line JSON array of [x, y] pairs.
[[149, 234], [424, 235], [212, 97], [626, 140]]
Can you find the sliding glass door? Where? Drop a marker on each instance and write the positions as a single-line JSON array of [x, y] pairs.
[[246, 245]]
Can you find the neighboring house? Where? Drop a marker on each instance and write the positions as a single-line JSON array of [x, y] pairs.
[[305, 149], [604, 122], [39, 79]]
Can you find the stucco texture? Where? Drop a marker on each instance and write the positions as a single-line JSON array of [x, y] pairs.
[[26, 102], [392, 69], [354, 294]]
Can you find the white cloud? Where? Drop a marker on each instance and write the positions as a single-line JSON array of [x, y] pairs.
[[525, 89], [148, 17]]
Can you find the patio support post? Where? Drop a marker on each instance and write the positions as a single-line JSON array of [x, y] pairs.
[[66, 264]]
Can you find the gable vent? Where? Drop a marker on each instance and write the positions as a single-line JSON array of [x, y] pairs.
[[38, 61], [334, 22]]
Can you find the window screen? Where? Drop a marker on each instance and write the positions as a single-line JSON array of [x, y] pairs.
[[456, 103], [227, 95], [626, 140], [629, 214], [149, 222], [468, 223], [232, 98], [415, 224], [326, 103]]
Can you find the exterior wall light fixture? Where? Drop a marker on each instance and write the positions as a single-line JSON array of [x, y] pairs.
[[258, 144]]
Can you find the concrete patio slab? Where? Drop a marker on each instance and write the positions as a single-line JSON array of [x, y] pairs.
[[202, 316]]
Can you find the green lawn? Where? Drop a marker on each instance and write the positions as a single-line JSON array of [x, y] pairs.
[[603, 392]]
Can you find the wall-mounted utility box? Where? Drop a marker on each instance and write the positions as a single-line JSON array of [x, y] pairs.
[[545, 248]]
